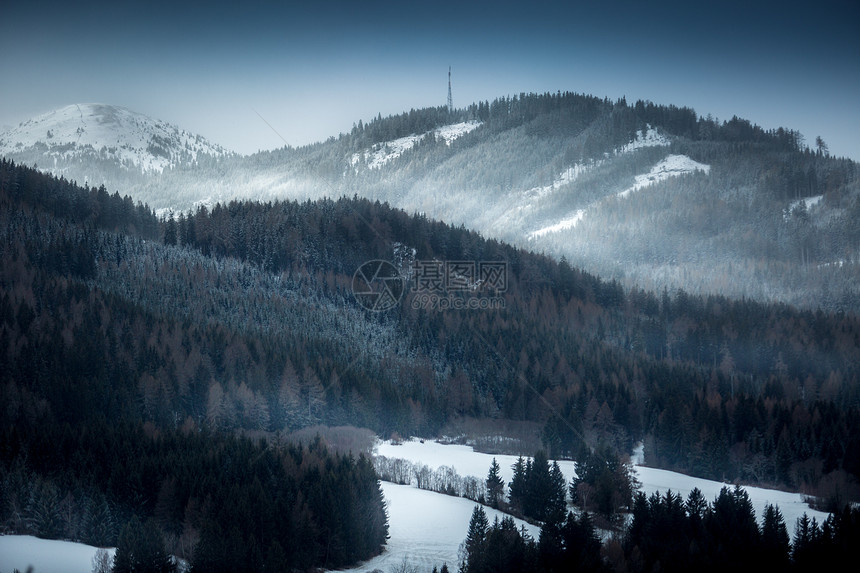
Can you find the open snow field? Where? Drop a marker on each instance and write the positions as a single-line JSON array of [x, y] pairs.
[[426, 528], [467, 462], [45, 556]]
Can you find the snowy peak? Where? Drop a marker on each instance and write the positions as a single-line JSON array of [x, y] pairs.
[[107, 133]]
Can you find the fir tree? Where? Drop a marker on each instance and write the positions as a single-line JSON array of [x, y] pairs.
[[495, 485], [774, 536], [141, 550], [518, 485], [475, 538]]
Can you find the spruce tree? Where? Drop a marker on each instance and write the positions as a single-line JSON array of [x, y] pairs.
[[774, 536], [538, 487], [141, 550], [557, 498], [495, 485], [518, 485], [475, 538]]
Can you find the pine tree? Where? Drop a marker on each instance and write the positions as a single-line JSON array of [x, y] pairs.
[[99, 526], [170, 232], [557, 499], [774, 536], [141, 550], [581, 544], [518, 485], [804, 535], [475, 538], [44, 511], [538, 487], [495, 485]]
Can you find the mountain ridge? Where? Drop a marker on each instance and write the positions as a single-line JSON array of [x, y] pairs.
[[719, 207], [96, 132]]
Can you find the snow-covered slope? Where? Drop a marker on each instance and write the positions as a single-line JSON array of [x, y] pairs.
[[671, 166], [467, 462], [426, 529], [383, 153], [84, 132], [649, 138], [25, 552]]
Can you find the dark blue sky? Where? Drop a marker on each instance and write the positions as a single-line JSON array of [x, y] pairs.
[[312, 70]]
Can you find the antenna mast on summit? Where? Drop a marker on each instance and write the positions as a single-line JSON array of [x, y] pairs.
[[450, 99]]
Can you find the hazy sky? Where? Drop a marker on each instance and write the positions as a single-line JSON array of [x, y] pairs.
[[311, 70]]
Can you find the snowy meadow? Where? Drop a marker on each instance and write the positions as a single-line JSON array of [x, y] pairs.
[[425, 528]]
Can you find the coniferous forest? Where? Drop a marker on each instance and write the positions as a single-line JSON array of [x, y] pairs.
[[666, 533], [151, 368], [83, 458]]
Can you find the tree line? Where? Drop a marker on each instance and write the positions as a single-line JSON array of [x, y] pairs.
[[223, 503], [667, 533]]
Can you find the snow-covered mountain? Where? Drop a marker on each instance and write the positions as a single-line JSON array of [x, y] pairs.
[[105, 137], [654, 196]]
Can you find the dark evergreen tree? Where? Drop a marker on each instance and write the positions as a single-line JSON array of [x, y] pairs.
[[518, 485], [539, 487], [732, 529], [557, 495], [603, 482], [495, 485], [44, 511], [140, 549], [775, 544], [476, 536], [581, 544]]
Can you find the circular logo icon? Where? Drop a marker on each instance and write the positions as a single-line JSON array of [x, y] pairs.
[[377, 285]]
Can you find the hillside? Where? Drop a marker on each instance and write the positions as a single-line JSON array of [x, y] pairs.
[[142, 355], [245, 317], [653, 196]]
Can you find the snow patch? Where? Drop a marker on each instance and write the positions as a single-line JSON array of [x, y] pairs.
[[454, 131], [650, 138], [563, 225], [807, 203], [671, 166], [566, 177], [383, 153]]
